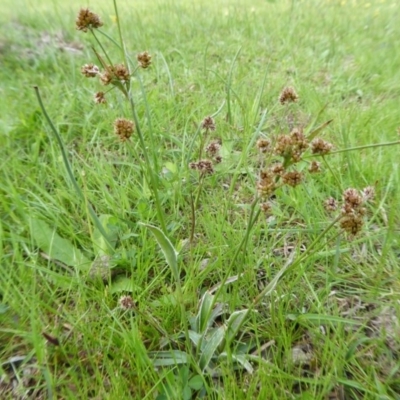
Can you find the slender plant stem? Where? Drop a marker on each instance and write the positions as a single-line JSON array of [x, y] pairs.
[[78, 190], [368, 146], [153, 180]]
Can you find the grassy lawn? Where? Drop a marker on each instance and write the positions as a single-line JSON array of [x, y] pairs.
[[200, 257]]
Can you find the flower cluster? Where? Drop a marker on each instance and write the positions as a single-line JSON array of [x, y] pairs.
[[206, 166], [123, 128], [288, 95], [87, 20], [353, 209]]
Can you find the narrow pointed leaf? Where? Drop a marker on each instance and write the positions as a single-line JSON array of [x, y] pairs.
[[204, 313], [170, 254], [317, 130], [166, 358], [234, 323], [212, 345]]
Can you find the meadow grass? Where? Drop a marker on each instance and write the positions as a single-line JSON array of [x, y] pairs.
[[328, 328]]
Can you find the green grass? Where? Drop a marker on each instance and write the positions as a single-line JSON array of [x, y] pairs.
[[338, 305]]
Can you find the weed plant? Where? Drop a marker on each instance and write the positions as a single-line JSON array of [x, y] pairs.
[[208, 230]]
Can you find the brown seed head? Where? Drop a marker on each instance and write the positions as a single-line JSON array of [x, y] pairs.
[[288, 95], [208, 124], [352, 223], [299, 143], [205, 167], [266, 207], [320, 146], [90, 70], [121, 72], [106, 77], [123, 128], [213, 148], [126, 303], [86, 19], [292, 178], [314, 167], [218, 159], [144, 59], [263, 145], [283, 146], [368, 193], [277, 169], [266, 184], [352, 199], [99, 98], [330, 204]]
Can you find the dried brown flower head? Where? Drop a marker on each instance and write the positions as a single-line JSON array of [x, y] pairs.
[[277, 169], [266, 183], [144, 59], [299, 143], [330, 204], [266, 207], [106, 77], [352, 198], [263, 145], [292, 178], [203, 166], [368, 193], [352, 211], [90, 70], [320, 146], [86, 19], [123, 128], [352, 223], [121, 72], [283, 146], [126, 303], [288, 95], [99, 98], [208, 124], [218, 159], [314, 167], [213, 148]]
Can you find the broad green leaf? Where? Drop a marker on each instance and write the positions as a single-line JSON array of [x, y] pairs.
[[56, 247], [123, 284], [187, 393], [194, 337], [234, 323], [196, 382], [3, 308], [204, 313], [171, 357], [212, 345], [170, 254], [241, 359], [111, 226]]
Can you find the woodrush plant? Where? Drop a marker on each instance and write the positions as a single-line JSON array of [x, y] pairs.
[[283, 161]]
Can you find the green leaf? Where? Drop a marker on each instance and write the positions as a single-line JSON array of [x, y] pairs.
[[212, 345], [170, 254], [56, 247], [3, 308], [204, 313], [167, 358], [321, 319], [111, 226], [187, 393], [196, 382], [234, 323], [317, 130], [124, 284], [242, 359], [194, 337]]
